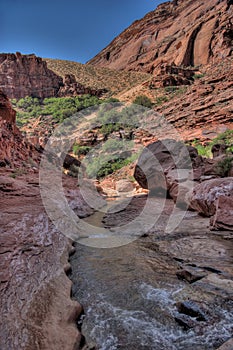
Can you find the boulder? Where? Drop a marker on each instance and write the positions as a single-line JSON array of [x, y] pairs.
[[227, 346], [70, 161], [179, 183], [124, 186], [191, 274], [204, 197], [190, 308], [185, 321], [157, 159], [223, 217], [218, 149]]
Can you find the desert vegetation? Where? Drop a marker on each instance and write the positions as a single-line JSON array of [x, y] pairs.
[[97, 77]]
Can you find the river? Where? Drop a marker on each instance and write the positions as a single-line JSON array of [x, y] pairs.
[[130, 293]]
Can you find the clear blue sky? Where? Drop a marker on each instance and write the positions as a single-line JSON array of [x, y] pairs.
[[66, 29]]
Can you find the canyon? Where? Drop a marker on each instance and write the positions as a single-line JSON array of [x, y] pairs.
[[145, 259]]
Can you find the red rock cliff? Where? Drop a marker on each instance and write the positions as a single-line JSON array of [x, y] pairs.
[[14, 148], [27, 75], [184, 32]]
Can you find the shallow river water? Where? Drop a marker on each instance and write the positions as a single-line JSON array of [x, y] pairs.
[[129, 295]]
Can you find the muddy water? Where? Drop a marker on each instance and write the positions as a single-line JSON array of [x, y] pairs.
[[130, 293]]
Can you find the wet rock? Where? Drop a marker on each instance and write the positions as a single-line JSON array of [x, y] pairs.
[[36, 309], [185, 321], [190, 308], [190, 274], [217, 284]]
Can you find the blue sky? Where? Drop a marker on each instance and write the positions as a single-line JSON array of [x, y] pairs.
[[66, 29]]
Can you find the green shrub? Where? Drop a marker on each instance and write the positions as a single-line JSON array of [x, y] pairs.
[[224, 138], [59, 108], [198, 76], [224, 166], [103, 165], [144, 101], [81, 150], [170, 89], [160, 100]]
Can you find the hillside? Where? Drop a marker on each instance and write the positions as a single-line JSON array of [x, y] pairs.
[[98, 78], [184, 32]]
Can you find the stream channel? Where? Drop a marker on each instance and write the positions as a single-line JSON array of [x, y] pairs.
[[130, 292]]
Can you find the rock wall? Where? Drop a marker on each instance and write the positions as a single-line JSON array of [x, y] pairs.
[[184, 32], [36, 309], [28, 75], [14, 148]]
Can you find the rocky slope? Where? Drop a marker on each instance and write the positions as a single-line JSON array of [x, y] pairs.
[[184, 32], [205, 108], [97, 77]]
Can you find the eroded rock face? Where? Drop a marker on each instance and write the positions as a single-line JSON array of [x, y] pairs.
[[72, 88], [214, 198], [14, 149], [187, 33], [36, 309], [7, 113], [205, 195], [223, 217], [27, 75]]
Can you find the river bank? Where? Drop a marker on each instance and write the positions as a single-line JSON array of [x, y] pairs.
[[36, 309]]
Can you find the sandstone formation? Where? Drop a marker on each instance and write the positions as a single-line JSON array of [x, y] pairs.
[[71, 87], [204, 196], [14, 148], [169, 167], [227, 346], [36, 309], [213, 198], [157, 159], [205, 109], [223, 217], [184, 32], [28, 75], [6, 110]]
